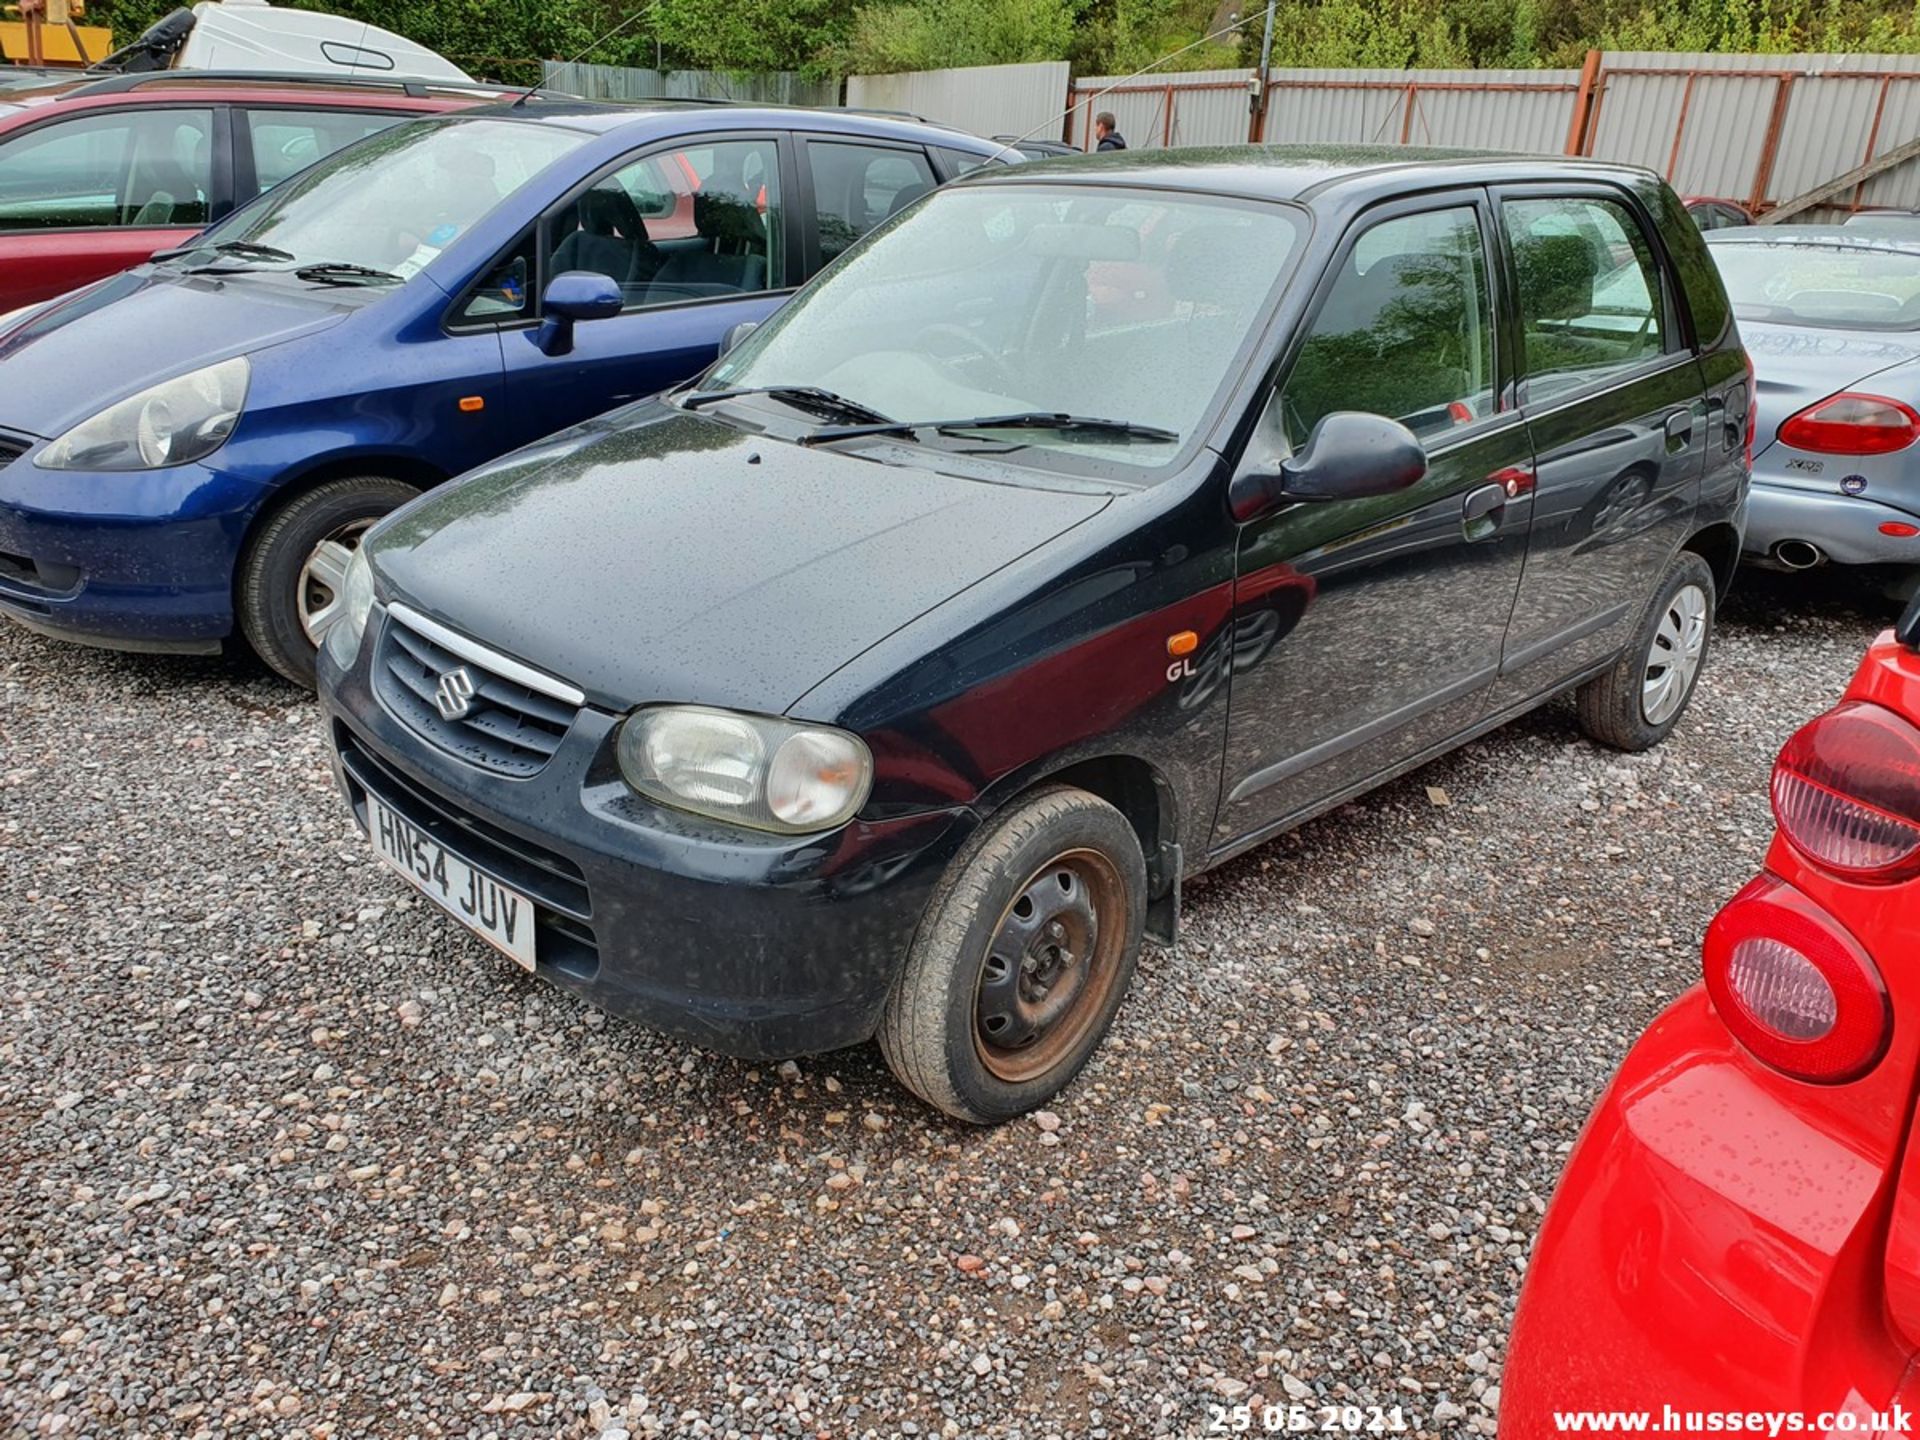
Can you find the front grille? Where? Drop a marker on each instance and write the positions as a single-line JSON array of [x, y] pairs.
[[563, 938], [12, 447], [509, 728]]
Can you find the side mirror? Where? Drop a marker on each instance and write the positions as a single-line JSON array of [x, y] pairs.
[[1349, 456], [737, 333], [574, 295]]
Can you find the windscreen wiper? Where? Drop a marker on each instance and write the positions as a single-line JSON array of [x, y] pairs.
[[1020, 420], [801, 397], [245, 249], [340, 272]]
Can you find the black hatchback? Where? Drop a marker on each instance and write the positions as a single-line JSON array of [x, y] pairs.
[[1086, 525]]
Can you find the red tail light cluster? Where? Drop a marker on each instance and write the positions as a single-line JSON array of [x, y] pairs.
[[1789, 980], [1753, 409], [1851, 424], [1794, 987], [1846, 794]]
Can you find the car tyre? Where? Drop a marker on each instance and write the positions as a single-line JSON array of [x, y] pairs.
[[1635, 705], [1023, 957], [282, 591]]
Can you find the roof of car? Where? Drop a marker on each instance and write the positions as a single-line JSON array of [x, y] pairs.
[[604, 117], [1833, 237], [1299, 172], [88, 91]]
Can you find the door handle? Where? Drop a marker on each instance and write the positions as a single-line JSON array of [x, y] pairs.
[[1482, 511], [1680, 429], [1483, 502]]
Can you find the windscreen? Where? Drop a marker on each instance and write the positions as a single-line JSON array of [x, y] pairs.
[[396, 200], [999, 300], [1847, 287]]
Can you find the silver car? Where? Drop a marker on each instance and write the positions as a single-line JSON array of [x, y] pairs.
[[1831, 321]]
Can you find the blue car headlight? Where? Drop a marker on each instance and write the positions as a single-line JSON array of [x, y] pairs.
[[172, 423]]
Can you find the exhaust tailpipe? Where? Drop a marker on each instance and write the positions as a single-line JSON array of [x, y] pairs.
[[1799, 554]]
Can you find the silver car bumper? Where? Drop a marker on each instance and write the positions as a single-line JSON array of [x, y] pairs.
[[1845, 528]]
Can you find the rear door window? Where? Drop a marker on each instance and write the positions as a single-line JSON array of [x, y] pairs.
[[137, 168], [1406, 330], [855, 187], [1588, 286], [285, 142], [679, 224]]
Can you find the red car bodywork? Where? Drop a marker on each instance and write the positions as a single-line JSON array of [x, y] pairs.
[[1727, 1238], [39, 264]]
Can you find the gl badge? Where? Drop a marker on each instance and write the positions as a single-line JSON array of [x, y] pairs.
[[453, 696]]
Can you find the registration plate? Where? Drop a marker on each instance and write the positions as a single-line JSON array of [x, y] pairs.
[[501, 917]]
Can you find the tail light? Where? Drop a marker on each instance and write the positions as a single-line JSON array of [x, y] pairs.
[[1851, 424], [1794, 987], [1753, 408], [1846, 794]]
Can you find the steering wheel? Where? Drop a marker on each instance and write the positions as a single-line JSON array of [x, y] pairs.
[[975, 347]]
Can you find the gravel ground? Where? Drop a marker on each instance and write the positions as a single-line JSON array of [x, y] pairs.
[[285, 1154]]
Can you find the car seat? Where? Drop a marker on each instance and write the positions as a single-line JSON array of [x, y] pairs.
[[610, 239], [731, 259], [173, 195], [905, 196]]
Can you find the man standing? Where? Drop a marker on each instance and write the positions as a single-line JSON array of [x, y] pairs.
[[1109, 137]]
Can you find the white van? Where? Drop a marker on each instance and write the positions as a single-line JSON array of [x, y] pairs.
[[254, 36]]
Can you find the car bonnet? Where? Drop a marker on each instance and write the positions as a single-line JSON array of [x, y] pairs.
[[680, 559], [79, 354]]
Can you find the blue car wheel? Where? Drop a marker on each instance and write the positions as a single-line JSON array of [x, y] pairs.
[[287, 591]]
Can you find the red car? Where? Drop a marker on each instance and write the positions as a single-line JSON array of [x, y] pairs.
[[97, 174], [1738, 1230], [1712, 213]]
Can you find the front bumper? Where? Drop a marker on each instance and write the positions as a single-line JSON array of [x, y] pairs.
[[1845, 527], [1714, 1246], [761, 946], [138, 561]]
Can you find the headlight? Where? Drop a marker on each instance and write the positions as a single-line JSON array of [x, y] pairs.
[[356, 604], [171, 423], [749, 769]]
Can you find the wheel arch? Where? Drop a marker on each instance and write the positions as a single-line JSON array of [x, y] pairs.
[[1145, 796], [1719, 545], [393, 465]]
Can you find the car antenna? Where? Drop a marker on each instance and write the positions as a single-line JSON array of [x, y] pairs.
[[1227, 29], [595, 44]]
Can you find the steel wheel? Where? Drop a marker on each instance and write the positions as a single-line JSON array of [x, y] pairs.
[[322, 584], [1674, 658], [1053, 961]]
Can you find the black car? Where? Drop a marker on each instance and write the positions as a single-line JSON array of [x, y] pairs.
[[1088, 524]]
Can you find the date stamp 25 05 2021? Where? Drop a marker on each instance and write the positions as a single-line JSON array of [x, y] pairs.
[[1226, 1419]]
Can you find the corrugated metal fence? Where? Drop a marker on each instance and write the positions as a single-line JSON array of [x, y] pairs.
[[620, 82], [985, 99], [1760, 129], [1506, 109]]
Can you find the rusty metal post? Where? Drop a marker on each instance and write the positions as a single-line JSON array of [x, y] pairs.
[[1873, 138], [1257, 123], [1770, 147], [1680, 126], [1579, 137]]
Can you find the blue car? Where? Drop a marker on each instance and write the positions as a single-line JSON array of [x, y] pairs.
[[193, 448]]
